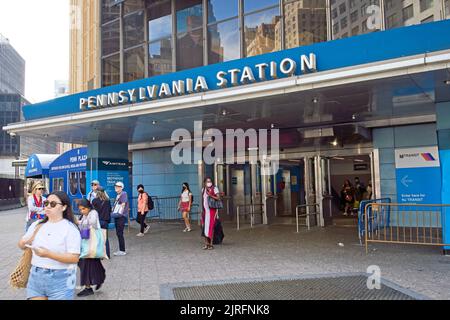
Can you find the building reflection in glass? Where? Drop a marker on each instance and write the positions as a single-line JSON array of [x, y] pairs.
[[189, 34], [223, 31], [411, 12], [160, 38], [354, 17]]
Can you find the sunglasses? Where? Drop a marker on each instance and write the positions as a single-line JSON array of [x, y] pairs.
[[40, 188], [51, 203], [94, 184]]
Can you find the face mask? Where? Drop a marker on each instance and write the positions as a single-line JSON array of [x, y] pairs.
[[209, 184], [141, 191]]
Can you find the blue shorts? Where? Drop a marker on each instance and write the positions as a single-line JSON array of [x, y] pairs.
[[53, 284]]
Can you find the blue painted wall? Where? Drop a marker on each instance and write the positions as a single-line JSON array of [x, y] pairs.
[[154, 169]]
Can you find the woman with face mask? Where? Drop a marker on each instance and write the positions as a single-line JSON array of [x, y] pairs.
[[185, 205], [142, 210], [209, 215]]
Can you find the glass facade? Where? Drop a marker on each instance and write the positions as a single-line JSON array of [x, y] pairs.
[[144, 38], [10, 106], [406, 13]]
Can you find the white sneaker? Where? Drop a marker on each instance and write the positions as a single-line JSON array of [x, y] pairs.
[[140, 235], [189, 230], [185, 230], [147, 229], [119, 253]]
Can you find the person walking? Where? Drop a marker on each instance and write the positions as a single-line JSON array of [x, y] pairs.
[[35, 204], [103, 206], [185, 205], [209, 215], [95, 184], [143, 209], [348, 197], [56, 245], [92, 271], [120, 212]]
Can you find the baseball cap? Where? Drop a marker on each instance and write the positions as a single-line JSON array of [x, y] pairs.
[[119, 184], [95, 182]]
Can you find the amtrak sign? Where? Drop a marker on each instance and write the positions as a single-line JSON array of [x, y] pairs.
[[233, 77]]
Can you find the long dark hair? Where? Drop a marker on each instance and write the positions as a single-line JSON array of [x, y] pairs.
[[68, 213], [188, 188]]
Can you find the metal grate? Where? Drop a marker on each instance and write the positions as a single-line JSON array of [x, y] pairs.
[[336, 288]]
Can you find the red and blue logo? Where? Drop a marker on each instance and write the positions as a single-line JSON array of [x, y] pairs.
[[428, 157]]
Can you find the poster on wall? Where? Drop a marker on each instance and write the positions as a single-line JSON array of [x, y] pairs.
[[418, 175]]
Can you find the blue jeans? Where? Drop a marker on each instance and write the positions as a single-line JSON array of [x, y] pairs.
[[53, 284]]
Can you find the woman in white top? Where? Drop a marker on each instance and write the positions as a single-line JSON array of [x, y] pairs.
[[92, 271], [35, 204], [185, 205], [56, 243]]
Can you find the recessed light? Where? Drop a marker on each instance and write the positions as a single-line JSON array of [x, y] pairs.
[[354, 117], [334, 143], [224, 112], [315, 100]]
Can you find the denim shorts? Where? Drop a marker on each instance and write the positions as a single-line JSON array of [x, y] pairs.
[[53, 284]]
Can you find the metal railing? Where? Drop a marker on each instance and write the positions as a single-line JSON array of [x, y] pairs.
[[306, 213], [361, 221], [166, 210], [252, 212], [416, 224]]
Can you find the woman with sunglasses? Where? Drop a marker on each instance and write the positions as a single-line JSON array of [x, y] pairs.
[[35, 204], [56, 243], [92, 271]]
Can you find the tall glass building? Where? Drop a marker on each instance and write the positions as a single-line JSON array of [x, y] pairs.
[[12, 69], [144, 38]]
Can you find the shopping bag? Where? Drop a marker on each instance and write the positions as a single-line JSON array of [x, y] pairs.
[[95, 246]]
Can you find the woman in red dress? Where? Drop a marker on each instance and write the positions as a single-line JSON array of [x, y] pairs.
[[209, 215]]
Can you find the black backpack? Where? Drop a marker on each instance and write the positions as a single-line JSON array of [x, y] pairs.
[[151, 204]]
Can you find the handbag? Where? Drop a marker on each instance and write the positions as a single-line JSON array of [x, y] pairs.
[[19, 277], [215, 204], [95, 246], [117, 210]]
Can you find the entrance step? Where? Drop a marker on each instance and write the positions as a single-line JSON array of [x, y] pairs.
[[345, 221]]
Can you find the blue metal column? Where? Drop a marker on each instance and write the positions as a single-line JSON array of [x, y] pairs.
[[108, 163], [443, 127]]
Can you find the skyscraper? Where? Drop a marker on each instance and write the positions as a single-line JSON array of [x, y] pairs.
[[12, 69]]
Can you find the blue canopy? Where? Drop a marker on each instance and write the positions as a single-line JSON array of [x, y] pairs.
[[39, 164]]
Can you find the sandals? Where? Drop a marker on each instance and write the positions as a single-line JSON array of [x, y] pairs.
[[208, 247], [205, 247]]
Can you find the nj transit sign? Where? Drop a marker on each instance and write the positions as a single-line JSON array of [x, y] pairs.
[[418, 175]]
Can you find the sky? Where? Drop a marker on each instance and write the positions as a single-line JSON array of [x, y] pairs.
[[39, 31]]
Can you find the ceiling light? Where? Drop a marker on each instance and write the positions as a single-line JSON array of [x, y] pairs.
[[154, 122], [358, 160], [315, 100], [334, 143], [338, 158], [354, 117], [447, 82], [154, 138], [224, 112], [272, 126]]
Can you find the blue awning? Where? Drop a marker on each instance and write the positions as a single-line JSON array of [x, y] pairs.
[[39, 164]]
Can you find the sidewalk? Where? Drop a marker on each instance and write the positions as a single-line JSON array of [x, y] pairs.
[[168, 256]]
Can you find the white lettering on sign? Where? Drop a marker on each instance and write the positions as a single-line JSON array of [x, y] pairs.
[[233, 77]]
